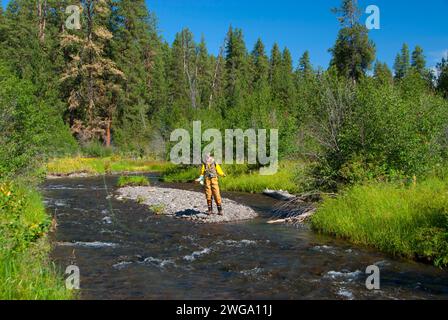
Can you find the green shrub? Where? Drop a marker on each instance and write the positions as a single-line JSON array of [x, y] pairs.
[[25, 269], [97, 150], [133, 181], [158, 209], [30, 127], [376, 131]]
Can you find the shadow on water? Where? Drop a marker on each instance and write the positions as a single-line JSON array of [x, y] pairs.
[[125, 252]]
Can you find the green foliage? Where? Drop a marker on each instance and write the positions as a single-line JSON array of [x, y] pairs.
[[382, 73], [404, 221], [30, 128], [353, 52], [419, 60], [25, 271], [96, 149], [260, 63], [18, 230], [442, 81], [133, 181], [402, 62], [305, 66], [377, 131], [133, 47]]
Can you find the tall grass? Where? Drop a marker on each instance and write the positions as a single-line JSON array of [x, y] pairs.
[[409, 221], [25, 270], [133, 181], [115, 164], [245, 178]]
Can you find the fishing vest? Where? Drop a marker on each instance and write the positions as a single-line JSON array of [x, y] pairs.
[[210, 170]]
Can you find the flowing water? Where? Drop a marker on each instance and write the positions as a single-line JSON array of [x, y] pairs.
[[125, 252]]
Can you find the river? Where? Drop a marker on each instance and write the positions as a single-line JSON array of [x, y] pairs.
[[124, 252]]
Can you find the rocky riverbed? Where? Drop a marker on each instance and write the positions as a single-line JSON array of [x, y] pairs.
[[185, 204]]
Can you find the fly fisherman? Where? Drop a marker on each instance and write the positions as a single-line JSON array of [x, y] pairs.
[[209, 177]]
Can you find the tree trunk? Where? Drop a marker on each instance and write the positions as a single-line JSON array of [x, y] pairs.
[[215, 76], [108, 138], [42, 15]]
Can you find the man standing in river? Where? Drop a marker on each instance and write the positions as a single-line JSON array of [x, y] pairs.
[[209, 175]]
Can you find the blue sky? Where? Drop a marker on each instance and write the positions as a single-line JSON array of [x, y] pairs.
[[306, 25]]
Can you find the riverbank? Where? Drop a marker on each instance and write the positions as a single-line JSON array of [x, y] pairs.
[[183, 204], [82, 166], [405, 221], [26, 272]]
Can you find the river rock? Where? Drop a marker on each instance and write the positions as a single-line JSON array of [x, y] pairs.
[[184, 204]]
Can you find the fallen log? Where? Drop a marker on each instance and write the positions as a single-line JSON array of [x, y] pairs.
[[294, 220], [279, 194]]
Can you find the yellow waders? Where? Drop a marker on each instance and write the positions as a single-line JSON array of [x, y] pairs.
[[212, 190], [211, 170]]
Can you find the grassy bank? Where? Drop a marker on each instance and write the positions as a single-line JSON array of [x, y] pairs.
[[93, 166], [410, 221], [133, 181], [25, 270], [245, 178]]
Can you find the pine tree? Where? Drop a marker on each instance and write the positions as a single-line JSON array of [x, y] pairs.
[[353, 52], [133, 49], [402, 63], [305, 67], [91, 77], [205, 74], [2, 30], [287, 91], [383, 73], [190, 75], [405, 58], [419, 61], [178, 87], [442, 81], [217, 93], [237, 70], [275, 71], [260, 63]]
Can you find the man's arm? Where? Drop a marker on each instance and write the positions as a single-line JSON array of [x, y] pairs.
[[203, 170], [219, 171]]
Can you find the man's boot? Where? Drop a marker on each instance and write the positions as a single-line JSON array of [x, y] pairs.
[[210, 208], [220, 212]]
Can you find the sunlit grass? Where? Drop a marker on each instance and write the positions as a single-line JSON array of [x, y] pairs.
[[25, 270], [404, 221], [67, 166], [133, 181]]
